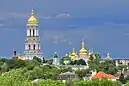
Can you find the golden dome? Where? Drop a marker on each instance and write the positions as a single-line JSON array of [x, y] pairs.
[[19, 57], [74, 54], [89, 54], [32, 19], [83, 50]]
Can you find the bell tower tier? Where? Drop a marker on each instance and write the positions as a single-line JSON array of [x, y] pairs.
[[32, 42]]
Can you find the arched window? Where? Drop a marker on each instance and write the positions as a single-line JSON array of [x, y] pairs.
[[29, 46], [30, 32], [34, 47], [33, 33]]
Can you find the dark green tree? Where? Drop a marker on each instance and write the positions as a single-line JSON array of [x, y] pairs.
[[98, 56], [37, 59], [81, 62], [122, 79]]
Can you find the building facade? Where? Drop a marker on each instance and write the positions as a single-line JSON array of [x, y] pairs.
[[32, 42]]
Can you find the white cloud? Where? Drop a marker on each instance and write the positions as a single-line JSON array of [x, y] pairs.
[[44, 17], [63, 15]]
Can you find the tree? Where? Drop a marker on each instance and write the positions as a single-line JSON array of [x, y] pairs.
[[30, 64], [97, 82], [82, 73], [72, 63], [15, 63], [3, 59], [81, 62], [94, 64], [44, 60], [37, 59], [98, 56], [122, 79], [127, 84], [50, 61], [49, 82], [91, 57]]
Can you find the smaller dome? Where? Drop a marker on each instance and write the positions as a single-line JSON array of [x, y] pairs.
[[19, 56], [83, 50], [32, 19], [89, 54], [55, 55], [74, 54]]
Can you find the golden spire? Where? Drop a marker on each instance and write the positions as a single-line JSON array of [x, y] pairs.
[[83, 44], [32, 19], [32, 12], [74, 54], [83, 50], [73, 50]]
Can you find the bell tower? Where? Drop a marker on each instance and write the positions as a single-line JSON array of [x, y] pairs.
[[32, 42]]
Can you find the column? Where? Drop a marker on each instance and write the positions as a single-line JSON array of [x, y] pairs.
[[26, 47], [28, 32], [35, 32], [36, 46], [31, 47]]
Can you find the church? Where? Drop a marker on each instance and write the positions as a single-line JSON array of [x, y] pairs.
[[32, 44], [84, 54]]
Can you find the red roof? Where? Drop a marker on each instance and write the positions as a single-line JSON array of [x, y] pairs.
[[103, 75]]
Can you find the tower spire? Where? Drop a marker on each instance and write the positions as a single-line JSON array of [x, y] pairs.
[[32, 19], [73, 50], [83, 44], [83, 50], [32, 12]]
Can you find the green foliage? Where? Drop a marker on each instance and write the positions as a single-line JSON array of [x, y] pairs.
[[91, 57], [30, 64], [122, 79], [17, 77], [50, 82], [94, 64], [127, 84], [97, 82], [37, 59], [82, 73], [3, 59], [13, 78], [81, 62], [121, 67], [15, 63], [98, 56], [107, 66]]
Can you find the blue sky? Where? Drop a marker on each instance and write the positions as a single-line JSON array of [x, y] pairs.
[[104, 24]]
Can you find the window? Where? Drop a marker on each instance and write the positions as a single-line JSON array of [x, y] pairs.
[[30, 32], [33, 33], [34, 47], [29, 46]]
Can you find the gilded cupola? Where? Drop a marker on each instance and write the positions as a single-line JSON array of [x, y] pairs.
[[74, 54], [32, 19], [83, 50]]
